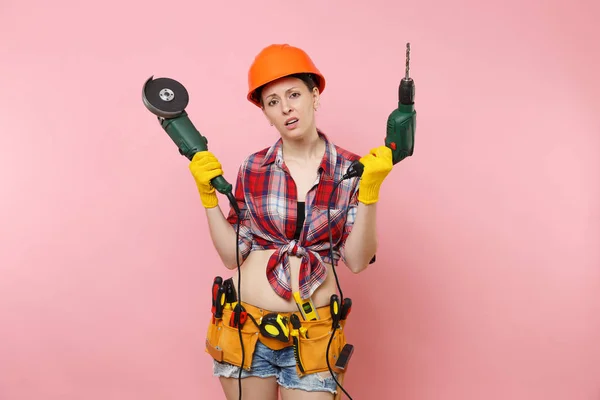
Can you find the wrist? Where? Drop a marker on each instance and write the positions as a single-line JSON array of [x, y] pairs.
[[369, 194], [209, 200]]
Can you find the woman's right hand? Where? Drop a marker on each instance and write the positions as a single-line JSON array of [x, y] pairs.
[[204, 167]]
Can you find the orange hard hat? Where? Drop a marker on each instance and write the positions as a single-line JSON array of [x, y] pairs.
[[276, 61]]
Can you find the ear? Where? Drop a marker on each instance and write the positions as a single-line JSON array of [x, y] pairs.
[[316, 98]]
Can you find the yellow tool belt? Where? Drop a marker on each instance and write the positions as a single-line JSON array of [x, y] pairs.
[[223, 340]]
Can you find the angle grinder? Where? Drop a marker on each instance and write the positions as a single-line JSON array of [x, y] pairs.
[[167, 99]]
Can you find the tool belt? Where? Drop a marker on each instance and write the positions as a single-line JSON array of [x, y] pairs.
[[309, 338]]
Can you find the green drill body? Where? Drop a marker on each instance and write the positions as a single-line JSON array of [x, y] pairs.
[[401, 126]]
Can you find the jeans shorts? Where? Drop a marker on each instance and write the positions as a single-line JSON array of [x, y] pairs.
[[281, 364]]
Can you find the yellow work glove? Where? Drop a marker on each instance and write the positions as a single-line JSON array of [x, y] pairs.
[[378, 164], [204, 167]]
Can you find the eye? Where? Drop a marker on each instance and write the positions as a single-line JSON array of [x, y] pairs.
[[295, 94], [272, 102]]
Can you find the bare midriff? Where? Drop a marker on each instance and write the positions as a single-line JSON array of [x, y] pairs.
[[257, 291]]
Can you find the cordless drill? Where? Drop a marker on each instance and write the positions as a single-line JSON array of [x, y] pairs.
[[167, 99], [401, 124]]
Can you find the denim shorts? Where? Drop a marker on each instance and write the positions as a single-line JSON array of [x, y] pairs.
[[281, 364]]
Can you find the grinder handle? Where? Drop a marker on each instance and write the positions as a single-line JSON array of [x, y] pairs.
[[190, 141]]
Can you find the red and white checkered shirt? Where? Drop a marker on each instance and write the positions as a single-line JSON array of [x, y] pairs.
[[267, 198]]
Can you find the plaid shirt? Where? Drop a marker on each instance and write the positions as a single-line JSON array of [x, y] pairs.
[[267, 198]]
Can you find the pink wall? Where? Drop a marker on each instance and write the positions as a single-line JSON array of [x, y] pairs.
[[488, 279]]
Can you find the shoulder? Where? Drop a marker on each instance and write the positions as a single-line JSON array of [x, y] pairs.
[[344, 155], [254, 162], [340, 161], [341, 155]]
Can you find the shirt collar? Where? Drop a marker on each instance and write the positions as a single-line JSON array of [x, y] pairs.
[[275, 155]]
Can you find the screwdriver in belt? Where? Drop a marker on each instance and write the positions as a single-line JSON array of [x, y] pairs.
[[218, 298], [238, 316], [346, 308], [297, 327], [334, 306], [218, 281], [220, 303]]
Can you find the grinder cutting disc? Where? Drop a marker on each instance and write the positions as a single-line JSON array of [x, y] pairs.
[[165, 97]]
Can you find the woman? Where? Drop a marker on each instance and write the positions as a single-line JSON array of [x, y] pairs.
[[283, 192]]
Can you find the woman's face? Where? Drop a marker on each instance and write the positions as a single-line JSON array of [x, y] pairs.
[[290, 107]]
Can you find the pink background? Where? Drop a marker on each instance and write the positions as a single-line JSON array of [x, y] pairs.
[[487, 284]]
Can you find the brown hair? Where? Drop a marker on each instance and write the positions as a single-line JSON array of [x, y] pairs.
[[310, 80]]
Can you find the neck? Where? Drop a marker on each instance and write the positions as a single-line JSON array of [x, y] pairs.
[[308, 147]]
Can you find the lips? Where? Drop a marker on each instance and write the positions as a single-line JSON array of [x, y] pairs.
[[291, 121]]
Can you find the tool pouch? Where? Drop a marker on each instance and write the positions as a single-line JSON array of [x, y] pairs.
[[223, 341], [312, 350]]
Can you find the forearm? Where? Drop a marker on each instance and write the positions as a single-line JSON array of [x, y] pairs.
[[223, 236], [361, 244]]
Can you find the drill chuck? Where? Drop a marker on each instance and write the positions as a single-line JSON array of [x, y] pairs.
[[406, 92]]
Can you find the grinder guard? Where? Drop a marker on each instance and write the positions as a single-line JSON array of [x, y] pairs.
[[167, 99]]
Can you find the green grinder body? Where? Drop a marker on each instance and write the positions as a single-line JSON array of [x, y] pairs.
[[188, 139]]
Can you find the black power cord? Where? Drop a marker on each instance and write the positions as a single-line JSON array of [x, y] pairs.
[[238, 307], [355, 170]]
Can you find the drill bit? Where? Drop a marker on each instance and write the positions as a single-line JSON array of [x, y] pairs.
[[407, 59], [406, 91]]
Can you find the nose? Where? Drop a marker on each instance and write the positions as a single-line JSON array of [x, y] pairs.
[[287, 108]]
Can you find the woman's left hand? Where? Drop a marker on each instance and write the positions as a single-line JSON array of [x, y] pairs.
[[378, 164]]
